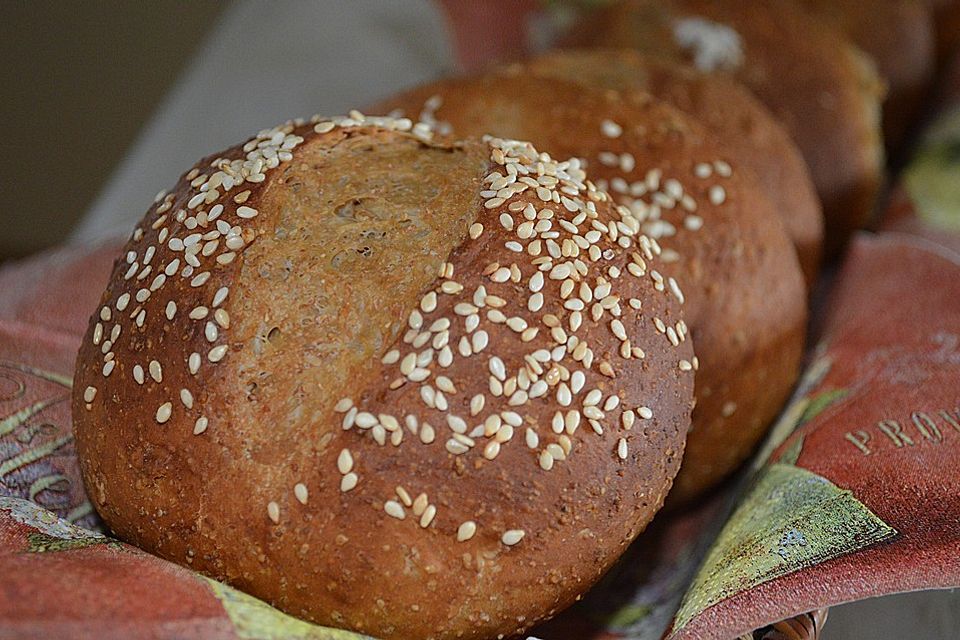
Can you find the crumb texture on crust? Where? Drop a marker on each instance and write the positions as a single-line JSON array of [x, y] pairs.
[[388, 383]]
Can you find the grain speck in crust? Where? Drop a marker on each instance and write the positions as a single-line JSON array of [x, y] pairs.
[[389, 383]]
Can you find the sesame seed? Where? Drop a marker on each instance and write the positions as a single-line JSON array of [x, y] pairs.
[[717, 195], [571, 421], [622, 449], [217, 353], [428, 515], [200, 425], [345, 462], [476, 404], [420, 504], [404, 496], [497, 368], [556, 451], [475, 230], [349, 418], [611, 129], [536, 282], [512, 537], [577, 380], [512, 419], [220, 296], [645, 412], [563, 395], [366, 420], [193, 363], [427, 433], [186, 398], [108, 368], [389, 422], [593, 398], [164, 412], [394, 509], [517, 323], [593, 413], [247, 212], [479, 341], [222, 318], [348, 482], [429, 302], [89, 394], [531, 438], [466, 530], [456, 424], [546, 460], [155, 371], [300, 491], [273, 512], [210, 332], [450, 287]]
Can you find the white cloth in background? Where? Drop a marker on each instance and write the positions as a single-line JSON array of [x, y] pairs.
[[263, 63]]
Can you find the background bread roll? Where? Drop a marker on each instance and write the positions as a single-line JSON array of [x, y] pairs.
[[824, 90], [898, 35], [745, 297], [280, 391], [752, 136], [946, 18]]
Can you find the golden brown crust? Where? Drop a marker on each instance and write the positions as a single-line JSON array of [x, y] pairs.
[[745, 293], [750, 133], [334, 286], [824, 91], [898, 36]]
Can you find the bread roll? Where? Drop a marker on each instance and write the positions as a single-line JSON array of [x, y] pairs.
[[745, 297], [946, 17], [898, 36], [280, 391], [752, 136], [825, 91]]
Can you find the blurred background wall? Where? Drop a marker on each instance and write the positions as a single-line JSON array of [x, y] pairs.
[[78, 81]]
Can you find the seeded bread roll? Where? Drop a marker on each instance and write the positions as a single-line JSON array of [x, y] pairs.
[[280, 391], [898, 36], [753, 137], [825, 91], [745, 298]]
